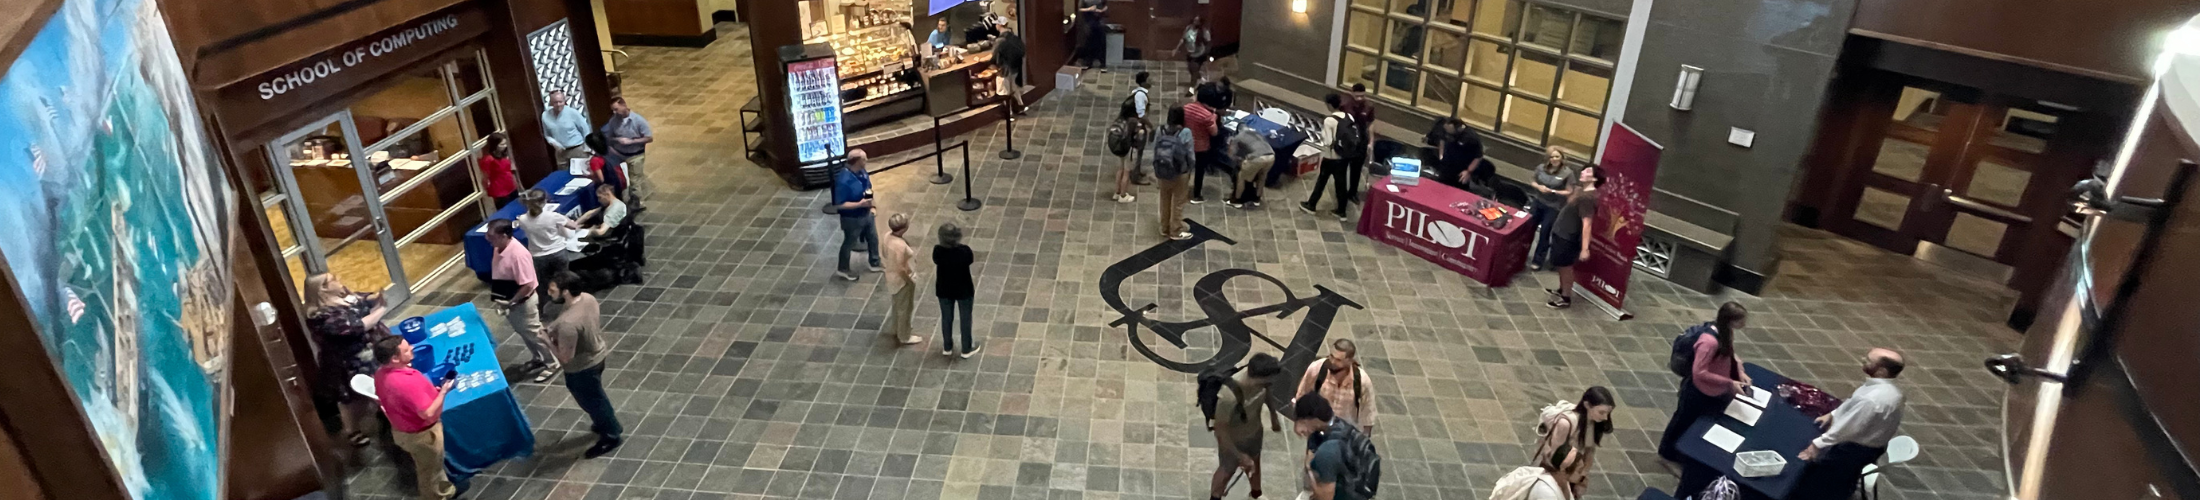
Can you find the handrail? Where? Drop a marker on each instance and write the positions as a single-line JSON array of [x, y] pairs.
[[619, 56]]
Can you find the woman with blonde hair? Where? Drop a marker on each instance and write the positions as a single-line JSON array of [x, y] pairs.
[[345, 325]]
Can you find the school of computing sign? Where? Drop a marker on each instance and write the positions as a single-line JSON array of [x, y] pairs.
[[335, 63]]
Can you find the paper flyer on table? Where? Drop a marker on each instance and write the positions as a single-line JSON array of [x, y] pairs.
[[1723, 438], [1757, 397], [1745, 413]]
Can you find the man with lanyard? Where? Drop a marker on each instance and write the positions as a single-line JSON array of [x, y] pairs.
[[852, 195], [565, 128], [629, 136]]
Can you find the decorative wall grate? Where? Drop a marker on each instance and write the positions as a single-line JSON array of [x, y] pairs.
[[551, 49], [1655, 254]]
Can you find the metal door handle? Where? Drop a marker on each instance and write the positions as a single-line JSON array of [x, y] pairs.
[[2012, 369]]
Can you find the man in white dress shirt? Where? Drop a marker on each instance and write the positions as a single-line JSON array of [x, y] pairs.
[[1856, 433]]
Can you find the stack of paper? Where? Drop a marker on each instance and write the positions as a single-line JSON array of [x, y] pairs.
[[1757, 397], [1723, 438], [1747, 414]]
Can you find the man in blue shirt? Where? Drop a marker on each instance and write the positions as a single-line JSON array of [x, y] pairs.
[[566, 128], [938, 40], [852, 195]]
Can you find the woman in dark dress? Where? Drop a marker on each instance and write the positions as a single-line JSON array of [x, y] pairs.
[[345, 324], [955, 288]]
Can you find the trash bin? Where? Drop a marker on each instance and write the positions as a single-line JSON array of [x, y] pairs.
[[1115, 45]]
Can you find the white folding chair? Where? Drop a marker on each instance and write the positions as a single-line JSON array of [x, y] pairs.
[[364, 385], [1900, 449]]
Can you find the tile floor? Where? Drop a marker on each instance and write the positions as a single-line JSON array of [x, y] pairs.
[[744, 371]]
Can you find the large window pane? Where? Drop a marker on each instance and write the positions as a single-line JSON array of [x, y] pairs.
[[1445, 50], [1575, 132], [1438, 94], [1598, 38], [1585, 85], [1480, 106], [1455, 12], [1357, 68], [483, 115], [1536, 73], [1366, 30], [1398, 80], [411, 98], [1406, 39], [422, 257], [444, 189], [470, 77], [1487, 60], [418, 150], [1499, 18], [1524, 119], [1547, 27], [1415, 8]]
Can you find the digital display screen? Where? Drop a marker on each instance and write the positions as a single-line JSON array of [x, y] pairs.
[[938, 6], [1405, 170]]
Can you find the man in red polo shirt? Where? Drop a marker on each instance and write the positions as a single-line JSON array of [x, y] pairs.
[[415, 409], [1201, 119]]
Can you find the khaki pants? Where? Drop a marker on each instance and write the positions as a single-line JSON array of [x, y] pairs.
[[1252, 173], [426, 448], [634, 174], [575, 152], [1174, 193], [905, 302], [526, 322]]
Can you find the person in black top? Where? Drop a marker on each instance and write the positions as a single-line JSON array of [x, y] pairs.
[[1459, 161], [951, 259], [1008, 55]]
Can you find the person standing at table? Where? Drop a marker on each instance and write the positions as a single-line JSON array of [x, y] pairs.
[[1008, 54], [512, 283], [1458, 153], [1551, 192], [1579, 427], [345, 325], [1857, 432], [938, 39], [1172, 158], [1570, 238], [552, 238], [415, 409], [496, 170], [1341, 155], [629, 136], [1200, 118], [852, 195], [951, 261], [576, 336], [564, 128], [1338, 378], [901, 280], [1253, 156], [1713, 379]]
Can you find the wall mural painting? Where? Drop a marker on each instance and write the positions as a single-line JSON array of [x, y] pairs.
[[1235, 337], [113, 219]]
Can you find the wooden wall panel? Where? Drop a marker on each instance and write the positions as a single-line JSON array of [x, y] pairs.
[[2108, 39]]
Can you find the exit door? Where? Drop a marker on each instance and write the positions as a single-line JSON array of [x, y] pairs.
[[1951, 172], [1154, 26]]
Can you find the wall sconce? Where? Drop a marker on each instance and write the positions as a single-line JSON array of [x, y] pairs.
[[1298, 6], [1684, 91]]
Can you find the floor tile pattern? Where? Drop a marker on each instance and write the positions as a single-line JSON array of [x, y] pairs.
[[743, 370]]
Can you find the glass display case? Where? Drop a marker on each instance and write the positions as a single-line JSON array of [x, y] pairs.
[[868, 39]]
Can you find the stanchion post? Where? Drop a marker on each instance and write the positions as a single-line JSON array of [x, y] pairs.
[[969, 202], [939, 165], [1008, 108]]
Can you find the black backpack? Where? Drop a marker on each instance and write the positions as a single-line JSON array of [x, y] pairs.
[[1121, 137], [1351, 141], [1211, 383], [1363, 467], [1684, 349]]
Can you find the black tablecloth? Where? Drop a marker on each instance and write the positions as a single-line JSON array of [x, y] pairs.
[[1782, 428]]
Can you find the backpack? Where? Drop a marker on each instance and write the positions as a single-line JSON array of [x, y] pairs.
[[1363, 468], [1120, 137], [1172, 156], [1350, 142], [1130, 102], [1211, 383], [1520, 483], [1683, 359]]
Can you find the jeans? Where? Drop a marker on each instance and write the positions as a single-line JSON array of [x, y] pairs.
[[426, 448], [947, 324], [858, 229], [1541, 216], [587, 388], [1347, 175]]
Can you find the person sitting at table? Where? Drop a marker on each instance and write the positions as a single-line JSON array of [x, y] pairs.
[[1856, 432], [1579, 427], [609, 213], [1713, 380]]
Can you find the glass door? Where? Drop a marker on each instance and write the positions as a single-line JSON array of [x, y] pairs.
[[333, 209]]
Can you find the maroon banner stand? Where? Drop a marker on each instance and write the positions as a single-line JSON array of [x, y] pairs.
[[1630, 163]]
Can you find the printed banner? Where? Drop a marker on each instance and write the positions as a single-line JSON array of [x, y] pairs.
[[1630, 163]]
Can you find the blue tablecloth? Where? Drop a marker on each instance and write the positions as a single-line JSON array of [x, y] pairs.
[[571, 203], [482, 422], [1781, 428]]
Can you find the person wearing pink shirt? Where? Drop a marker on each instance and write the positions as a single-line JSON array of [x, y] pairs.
[[1712, 381], [415, 409]]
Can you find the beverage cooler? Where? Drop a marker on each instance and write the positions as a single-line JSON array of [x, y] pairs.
[[813, 102]]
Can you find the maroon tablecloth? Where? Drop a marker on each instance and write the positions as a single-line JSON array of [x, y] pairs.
[[1422, 220]]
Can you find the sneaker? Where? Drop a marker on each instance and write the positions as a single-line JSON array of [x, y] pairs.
[[912, 340], [1306, 207], [876, 268], [947, 351], [1254, 203], [1198, 200], [1560, 303], [604, 446], [1127, 198], [1343, 216], [972, 352], [844, 275], [1118, 197], [1234, 204], [1186, 235], [1535, 267]]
